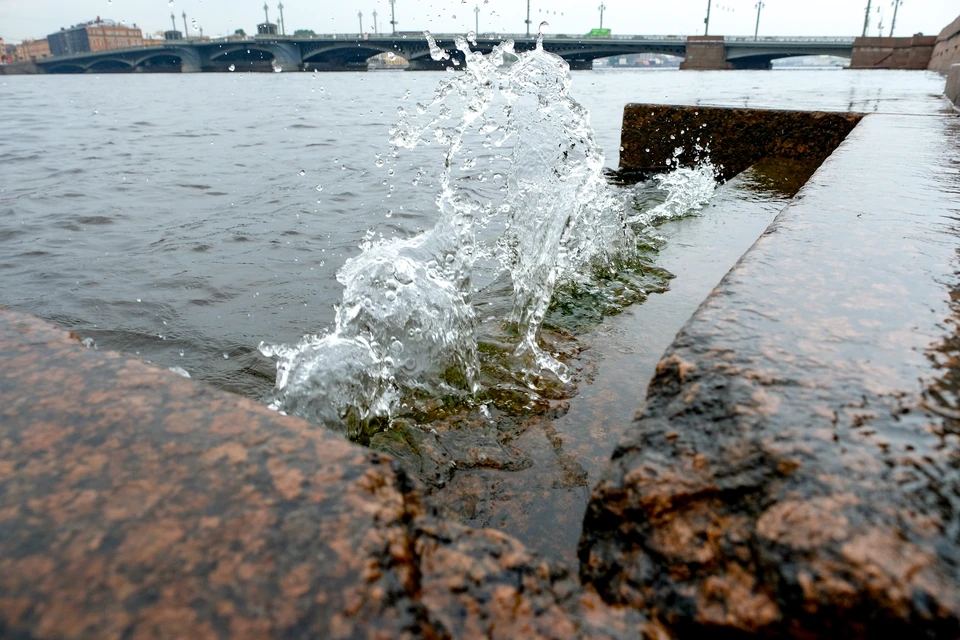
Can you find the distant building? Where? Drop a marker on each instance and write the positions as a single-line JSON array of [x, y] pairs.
[[154, 39], [96, 35], [33, 50], [173, 35], [3, 52], [387, 60], [267, 29]]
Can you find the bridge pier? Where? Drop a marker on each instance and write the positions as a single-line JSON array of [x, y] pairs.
[[893, 53], [190, 64], [580, 65], [705, 53]]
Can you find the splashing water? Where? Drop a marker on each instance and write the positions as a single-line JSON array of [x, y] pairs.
[[687, 189], [407, 324]]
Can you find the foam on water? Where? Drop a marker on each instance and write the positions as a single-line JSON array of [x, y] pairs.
[[407, 324]]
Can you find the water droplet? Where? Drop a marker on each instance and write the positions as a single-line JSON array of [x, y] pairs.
[[319, 188], [302, 172], [181, 353], [226, 356], [138, 300], [232, 67]]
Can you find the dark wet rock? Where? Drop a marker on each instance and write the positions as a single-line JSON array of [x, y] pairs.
[[795, 471], [733, 139], [135, 503]]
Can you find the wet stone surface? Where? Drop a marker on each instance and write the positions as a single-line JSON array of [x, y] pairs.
[[137, 504], [733, 139], [795, 471]]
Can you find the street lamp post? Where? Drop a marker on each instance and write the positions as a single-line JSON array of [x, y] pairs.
[[602, 7], [528, 18], [173, 20], [360, 15], [476, 15], [756, 31], [893, 25], [266, 14], [706, 21], [376, 29], [866, 19], [283, 23], [186, 31], [393, 16]]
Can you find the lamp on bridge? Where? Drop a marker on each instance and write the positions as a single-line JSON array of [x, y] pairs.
[[893, 24], [393, 17], [527, 21], [602, 7], [186, 29], [756, 31], [360, 15], [476, 13], [376, 28], [283, 24]]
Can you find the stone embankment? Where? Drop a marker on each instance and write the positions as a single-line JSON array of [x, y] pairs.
[[136, 503], [733, 139], [795, 471], [953, 85], [946, 52]]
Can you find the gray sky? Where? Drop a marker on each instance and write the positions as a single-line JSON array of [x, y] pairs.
[[36, 18]]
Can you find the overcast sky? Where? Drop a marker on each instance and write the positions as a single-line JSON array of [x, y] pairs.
[[21, 19]]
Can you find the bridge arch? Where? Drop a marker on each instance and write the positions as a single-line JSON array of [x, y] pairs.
[[344, 56], [67, 68], [281, 55], [110, 65], [169, 59], [161, 61], [745, 56]]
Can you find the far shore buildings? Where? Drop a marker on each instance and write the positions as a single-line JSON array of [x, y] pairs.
[[32, 50], [96, 35], [153, 39]]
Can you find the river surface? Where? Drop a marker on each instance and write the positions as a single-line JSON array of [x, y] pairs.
[[187, 218]]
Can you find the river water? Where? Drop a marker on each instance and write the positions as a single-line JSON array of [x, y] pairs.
[[187, 218]]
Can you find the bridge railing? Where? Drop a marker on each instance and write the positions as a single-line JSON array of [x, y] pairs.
[[451, 36], [790, 39]]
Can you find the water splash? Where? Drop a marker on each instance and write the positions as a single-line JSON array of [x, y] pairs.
[[687, 190], [407, 324]]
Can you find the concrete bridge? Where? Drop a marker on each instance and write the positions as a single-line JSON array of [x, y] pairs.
[[340, 53]]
